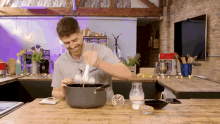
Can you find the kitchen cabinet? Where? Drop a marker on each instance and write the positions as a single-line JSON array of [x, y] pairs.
[[124, 89], [9, 91], [25, 91], [30, 90]]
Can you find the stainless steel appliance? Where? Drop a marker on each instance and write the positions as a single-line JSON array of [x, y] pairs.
[[167, 64]]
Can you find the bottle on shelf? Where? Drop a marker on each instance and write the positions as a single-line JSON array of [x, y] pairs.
[[87, 31], [18, 66]]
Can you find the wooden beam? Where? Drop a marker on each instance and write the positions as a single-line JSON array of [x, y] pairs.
[[49, 11], [3, 2], [150, 4], [81, 11], [77, 3], [69, 5], [160, 3], [112, 4], [161, 7], [118, 12]]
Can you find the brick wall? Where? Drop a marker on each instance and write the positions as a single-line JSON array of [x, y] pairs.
[[182, 9]]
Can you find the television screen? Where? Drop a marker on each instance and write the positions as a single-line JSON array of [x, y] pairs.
[[190, 37]]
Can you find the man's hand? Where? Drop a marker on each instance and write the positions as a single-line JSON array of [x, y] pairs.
[[92, 58], [65, 82]]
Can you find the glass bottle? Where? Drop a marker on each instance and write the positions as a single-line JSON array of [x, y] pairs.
[[18, 66], [136, 95]]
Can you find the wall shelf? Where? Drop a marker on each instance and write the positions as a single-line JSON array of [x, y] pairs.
[[96, 39]]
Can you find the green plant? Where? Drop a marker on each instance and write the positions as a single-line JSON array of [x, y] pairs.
[[36, 56], [25, 71], [133, 61]]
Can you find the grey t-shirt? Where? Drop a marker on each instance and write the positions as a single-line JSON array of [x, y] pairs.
[[67, 67]]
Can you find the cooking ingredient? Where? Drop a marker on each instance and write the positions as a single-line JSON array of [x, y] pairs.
[[135, 106], [136, 101], [18, 66], [145, 109], [136, 95]]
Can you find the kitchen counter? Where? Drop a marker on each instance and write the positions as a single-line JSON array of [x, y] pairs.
[[49, 78], [189, 111], [41, 77], [183, 88], [194, 86], [8, 79]]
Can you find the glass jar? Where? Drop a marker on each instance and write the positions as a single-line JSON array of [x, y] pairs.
[[136, 95]]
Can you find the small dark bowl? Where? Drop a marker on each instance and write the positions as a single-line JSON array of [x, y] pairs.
[[156, 104]]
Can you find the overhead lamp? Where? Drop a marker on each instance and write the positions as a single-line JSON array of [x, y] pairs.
[[28, 37], [17, 30]]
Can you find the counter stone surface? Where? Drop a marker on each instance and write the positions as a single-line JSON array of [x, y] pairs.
[[189, 111]]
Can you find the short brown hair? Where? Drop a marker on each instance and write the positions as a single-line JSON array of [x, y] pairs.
[[67, 26]]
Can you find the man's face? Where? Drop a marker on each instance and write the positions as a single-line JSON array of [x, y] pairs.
[[74, 43]]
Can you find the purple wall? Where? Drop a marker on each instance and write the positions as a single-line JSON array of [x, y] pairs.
[[9, 45], [44, 33]]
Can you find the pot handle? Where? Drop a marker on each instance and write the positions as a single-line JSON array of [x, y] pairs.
[[104, 86]]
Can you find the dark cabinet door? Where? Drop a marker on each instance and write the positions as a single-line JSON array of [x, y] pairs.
[[30, 90], [9, 91], [124, 89]]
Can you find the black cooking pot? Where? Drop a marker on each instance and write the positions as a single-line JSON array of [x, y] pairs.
[[89, 96]]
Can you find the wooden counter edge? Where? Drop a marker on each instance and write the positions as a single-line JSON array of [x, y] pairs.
[[176, 93], [11, 80]]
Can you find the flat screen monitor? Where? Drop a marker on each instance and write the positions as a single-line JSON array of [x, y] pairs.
[[190, 37]]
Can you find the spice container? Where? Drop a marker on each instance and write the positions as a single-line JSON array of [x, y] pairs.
[[100, 33], [87, 31], [136, 95], [145, 109], [93, 33], [11, 66]]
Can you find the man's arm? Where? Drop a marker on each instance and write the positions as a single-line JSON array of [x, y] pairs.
[[117, 70], [108, 62], [58, 93]]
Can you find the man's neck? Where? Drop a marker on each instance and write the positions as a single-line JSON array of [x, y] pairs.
[[77, 58]]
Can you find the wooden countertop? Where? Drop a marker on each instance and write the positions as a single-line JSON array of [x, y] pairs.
[[41, 77], [49, 78], [186, 84], [190, 111], [8, 79]]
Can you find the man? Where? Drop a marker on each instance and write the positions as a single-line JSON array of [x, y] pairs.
[[103, 62]]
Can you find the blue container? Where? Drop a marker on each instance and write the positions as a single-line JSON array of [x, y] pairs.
[[186, 69]]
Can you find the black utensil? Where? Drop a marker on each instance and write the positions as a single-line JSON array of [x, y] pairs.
[[186, 59], [156, 104], [101, 87]]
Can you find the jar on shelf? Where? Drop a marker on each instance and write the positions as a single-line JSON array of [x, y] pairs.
[[136, 95]]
